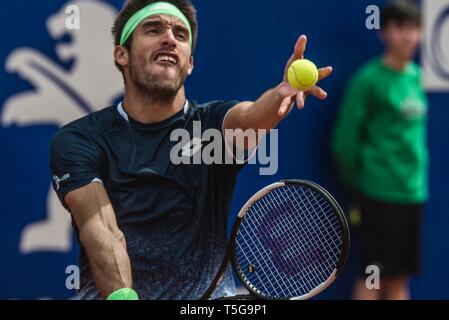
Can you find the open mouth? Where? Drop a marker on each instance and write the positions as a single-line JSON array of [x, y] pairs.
[[166, 58]]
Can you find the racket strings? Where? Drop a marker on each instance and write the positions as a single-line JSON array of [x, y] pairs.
[[309, 282], [333, 236], [286, 267], [308, 209], [310, 254], [291, 239]]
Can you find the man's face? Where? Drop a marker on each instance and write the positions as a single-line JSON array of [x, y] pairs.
[[160, 57], [402, 39]]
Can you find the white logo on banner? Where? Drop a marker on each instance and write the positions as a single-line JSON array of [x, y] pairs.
[[60, 96], [435, 47]]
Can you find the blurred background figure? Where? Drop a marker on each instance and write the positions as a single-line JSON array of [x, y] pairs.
[[381, 151]]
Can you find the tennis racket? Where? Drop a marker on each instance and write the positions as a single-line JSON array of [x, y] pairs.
[[289, 241]]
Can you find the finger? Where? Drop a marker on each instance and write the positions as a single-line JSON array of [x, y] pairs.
[[285, 106], [318, 92], [324, 72], [300, 100], [300, 47], [289, 62], [298, 53], [306, 94]]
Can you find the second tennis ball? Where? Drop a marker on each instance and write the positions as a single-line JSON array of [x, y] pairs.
[[302, 74]]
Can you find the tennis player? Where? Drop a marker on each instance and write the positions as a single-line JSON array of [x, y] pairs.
[[380, 143], [147, 228]]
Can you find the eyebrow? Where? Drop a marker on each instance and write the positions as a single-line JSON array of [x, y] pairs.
[[151, 23], [159, 22], [180, 27]]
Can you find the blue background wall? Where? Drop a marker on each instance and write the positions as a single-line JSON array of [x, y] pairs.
[[242, 50]]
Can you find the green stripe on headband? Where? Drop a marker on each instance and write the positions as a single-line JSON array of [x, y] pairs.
[[152, 10]]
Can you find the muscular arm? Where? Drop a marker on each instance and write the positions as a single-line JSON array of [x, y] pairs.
[[275, 104], [100, 236]]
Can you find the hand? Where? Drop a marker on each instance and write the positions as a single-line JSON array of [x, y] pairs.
[[292, 94]]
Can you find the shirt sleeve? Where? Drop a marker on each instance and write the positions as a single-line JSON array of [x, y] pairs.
[[212, 116], [74, 162], [347, 138], [214, 113]]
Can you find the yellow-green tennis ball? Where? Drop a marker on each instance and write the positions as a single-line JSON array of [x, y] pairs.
[[302, 74]]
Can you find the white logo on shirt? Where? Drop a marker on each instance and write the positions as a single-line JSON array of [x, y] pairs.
[[58, 180], [412, 109]]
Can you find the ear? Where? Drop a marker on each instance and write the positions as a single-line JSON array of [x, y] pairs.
[[121, 56], [190, 69]]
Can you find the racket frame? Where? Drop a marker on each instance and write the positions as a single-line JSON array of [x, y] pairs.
[[230, 252], [260, 194]]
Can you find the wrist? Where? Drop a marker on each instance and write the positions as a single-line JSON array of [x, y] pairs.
[[123, 294]]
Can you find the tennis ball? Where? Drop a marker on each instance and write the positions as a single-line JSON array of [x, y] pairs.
[[302, 74]]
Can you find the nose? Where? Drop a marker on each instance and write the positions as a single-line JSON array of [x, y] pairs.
[[169, 38]]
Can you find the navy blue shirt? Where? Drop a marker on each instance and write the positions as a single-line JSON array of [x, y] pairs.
[[174, 217]]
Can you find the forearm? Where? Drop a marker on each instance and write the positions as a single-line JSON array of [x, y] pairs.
[[345, 147], [100, 236], [347, 143], [108, 258], [347, 171], [260, 114]]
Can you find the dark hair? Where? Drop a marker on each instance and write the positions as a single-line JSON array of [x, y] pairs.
[[400, 11], [132, 6]]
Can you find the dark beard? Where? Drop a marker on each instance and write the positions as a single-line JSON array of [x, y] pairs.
[[151, 87]]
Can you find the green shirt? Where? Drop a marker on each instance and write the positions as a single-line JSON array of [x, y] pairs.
[[380, 138]]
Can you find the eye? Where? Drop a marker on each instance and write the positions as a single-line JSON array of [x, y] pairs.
[[152, 31], [181, 35]]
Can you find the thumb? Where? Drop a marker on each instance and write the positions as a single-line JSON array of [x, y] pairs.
[[285, 106]]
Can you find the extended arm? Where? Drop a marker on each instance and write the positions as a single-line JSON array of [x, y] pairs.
[[100, 236]]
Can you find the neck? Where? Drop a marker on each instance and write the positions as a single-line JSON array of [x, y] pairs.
[[394, 62], [145, 109]]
